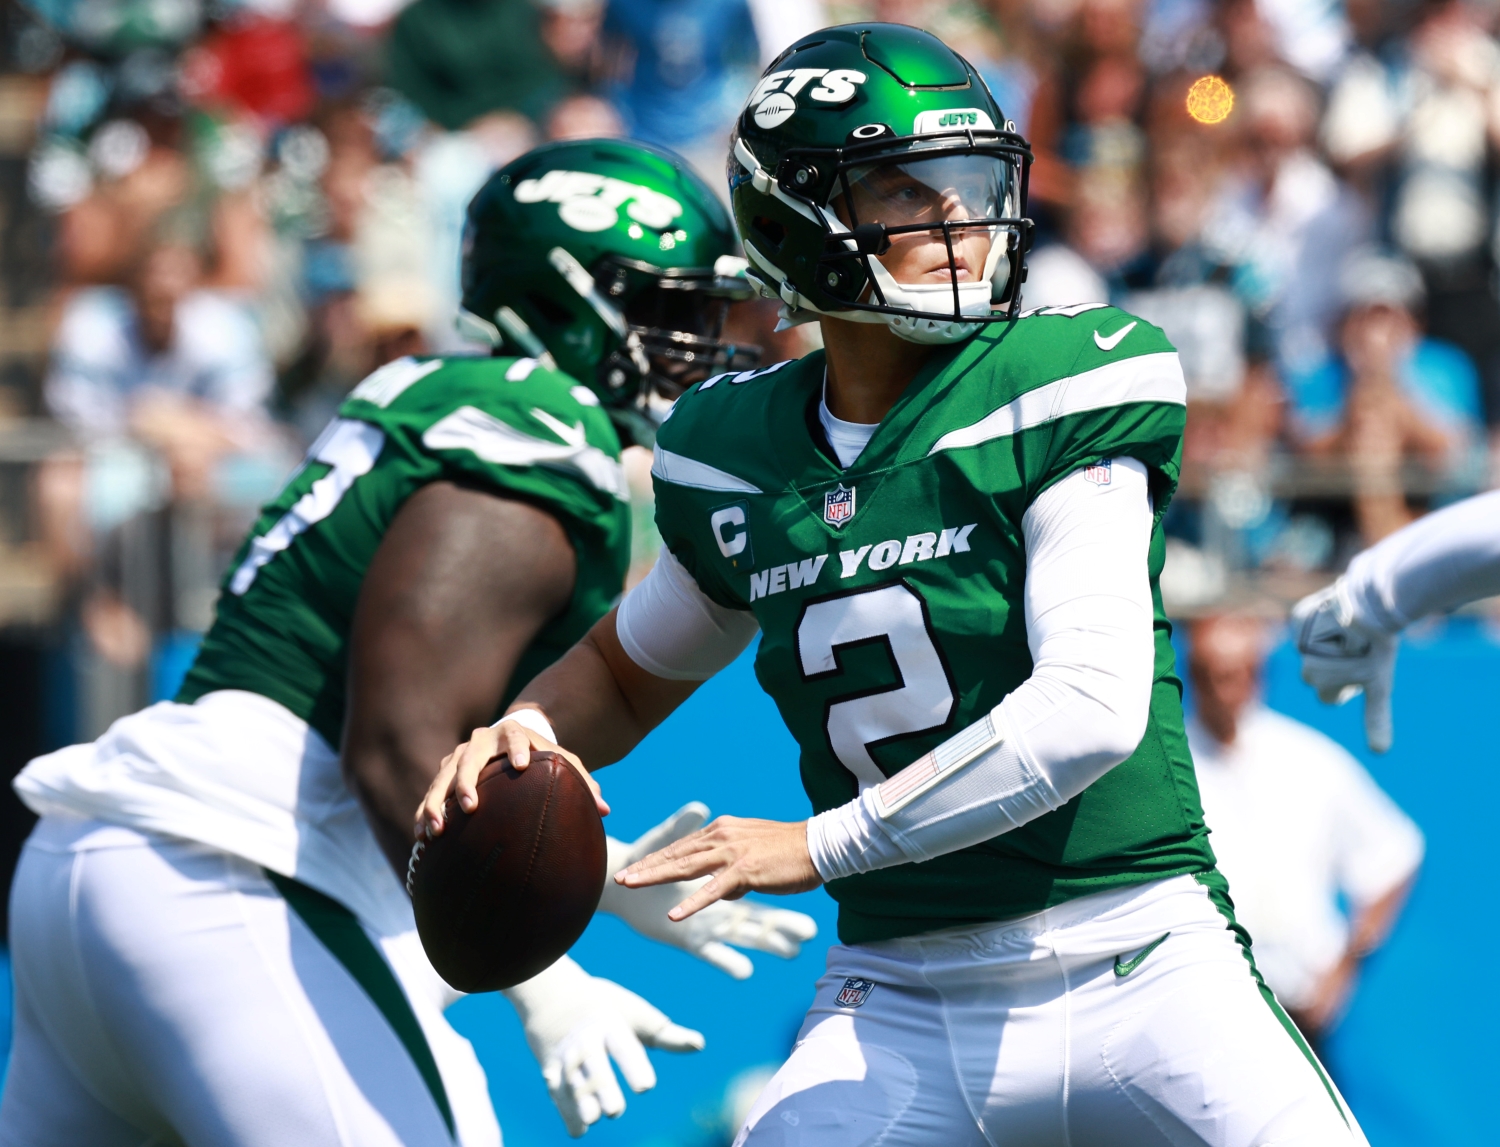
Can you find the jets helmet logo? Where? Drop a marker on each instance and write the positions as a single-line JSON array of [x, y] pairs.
[[838, 505], [775, 97], [854, 992], [589, 202]]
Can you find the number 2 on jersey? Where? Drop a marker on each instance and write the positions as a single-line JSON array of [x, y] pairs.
[[922, 699]]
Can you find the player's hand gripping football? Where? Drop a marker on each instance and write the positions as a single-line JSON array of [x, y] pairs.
[[575, 1023], [709, 934], [1342, 658], [458, 775], [739, 854]]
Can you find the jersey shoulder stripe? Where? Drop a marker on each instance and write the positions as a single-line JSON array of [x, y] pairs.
[[1153, 377], [393, 379], [721, 434], [493, 440], [681, 470], [480, 413]]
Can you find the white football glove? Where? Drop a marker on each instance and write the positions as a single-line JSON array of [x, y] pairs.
[[1341, 658], [575, 1022], [706, 934]]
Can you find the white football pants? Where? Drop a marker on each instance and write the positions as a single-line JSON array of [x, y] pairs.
[[1052, 1031], [167, 994]]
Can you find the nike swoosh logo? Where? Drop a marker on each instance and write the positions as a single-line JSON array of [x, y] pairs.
[[1113, 340], [1123, 970]]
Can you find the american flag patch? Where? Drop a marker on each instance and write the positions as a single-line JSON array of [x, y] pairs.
[[1098, 472], [854, 992], [926, 770], [908, 781]]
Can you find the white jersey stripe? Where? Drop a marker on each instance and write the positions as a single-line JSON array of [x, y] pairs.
[[1142, 378], [487, 437], [683, 471]]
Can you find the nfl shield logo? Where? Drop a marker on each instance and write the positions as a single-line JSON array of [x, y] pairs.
[[838, 505], [854, 992], [1099, 472]]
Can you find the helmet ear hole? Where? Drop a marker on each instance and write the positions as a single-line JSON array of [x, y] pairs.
[[770, 230]]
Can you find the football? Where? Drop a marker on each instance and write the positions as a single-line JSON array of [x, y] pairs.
[[508, 888]]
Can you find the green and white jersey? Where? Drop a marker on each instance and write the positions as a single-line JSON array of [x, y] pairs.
[[505, 425], [929, 518]]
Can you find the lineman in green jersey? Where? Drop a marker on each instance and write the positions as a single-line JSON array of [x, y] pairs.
[[947, 532], [211, 940]]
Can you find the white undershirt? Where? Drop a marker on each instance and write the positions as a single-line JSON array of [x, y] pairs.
[[1437, 563], [1082, 711], [848, 439]]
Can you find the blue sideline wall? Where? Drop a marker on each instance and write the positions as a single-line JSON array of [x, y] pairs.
[[1412, 1056]]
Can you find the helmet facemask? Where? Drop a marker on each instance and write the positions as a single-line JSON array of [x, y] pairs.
[[925, 233], [673, 321]]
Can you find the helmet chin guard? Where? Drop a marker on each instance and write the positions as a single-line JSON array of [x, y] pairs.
[[973, 300]]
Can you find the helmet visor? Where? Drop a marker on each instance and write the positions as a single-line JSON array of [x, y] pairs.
[[916, 192]]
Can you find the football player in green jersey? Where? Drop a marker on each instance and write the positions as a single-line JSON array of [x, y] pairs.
[[947, 532], [211, 940]]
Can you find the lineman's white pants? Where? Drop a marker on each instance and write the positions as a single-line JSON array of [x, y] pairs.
[[166, 994], [1027, 1034]]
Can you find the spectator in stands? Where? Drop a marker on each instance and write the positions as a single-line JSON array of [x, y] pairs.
[[1297, 826], [1104, 233], [1415, 121], [163, 360], [570, 30], [1187, 288], [459, 59], [1283, 220], [681, 69], [781, 23], [1383, 297], [1391, 394], [584, 117]]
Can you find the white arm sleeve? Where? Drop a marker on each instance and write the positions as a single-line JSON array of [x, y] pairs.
[[672, 629], [1437, 563], [1082, 711]]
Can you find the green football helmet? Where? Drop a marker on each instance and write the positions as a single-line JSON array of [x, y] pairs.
[[615, 260], [875, 178]]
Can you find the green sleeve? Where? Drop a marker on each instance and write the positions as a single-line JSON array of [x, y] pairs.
[[684, 515], [1125, 402]]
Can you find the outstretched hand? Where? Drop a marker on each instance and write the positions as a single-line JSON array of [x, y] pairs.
[[458, 776], [577, 1024], [712, 934], [740, 855]]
